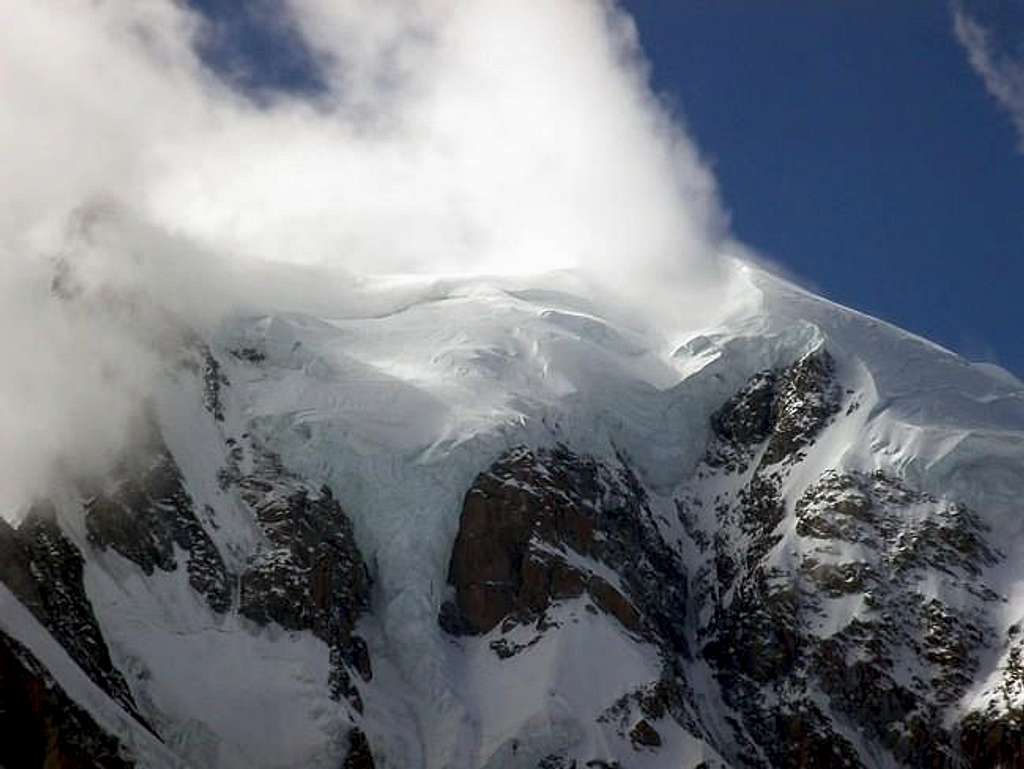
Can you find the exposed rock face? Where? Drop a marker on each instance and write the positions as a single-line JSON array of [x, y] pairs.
[[310, 574], [993, 740], [146, 513], [777, 412], [806, 397], [359, 755], [994, 735], [546, 526], [542, 527], [214, 380], [644, 735], [41, 727], [907, 538], [305, 574], [801, 679], [753, 636], [43, 569], [787, 611]]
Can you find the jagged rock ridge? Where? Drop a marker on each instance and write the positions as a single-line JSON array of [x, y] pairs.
[[800, 587]]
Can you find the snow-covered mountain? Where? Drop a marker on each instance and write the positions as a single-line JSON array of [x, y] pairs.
[[491, 526]]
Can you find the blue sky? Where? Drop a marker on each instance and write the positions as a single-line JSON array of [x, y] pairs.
[[855, 146], [853, 143]]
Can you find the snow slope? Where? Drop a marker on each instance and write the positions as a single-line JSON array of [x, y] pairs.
[[398, 411]]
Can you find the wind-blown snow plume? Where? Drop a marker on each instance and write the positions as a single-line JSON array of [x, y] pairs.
[[488, 137], [1001, 71]]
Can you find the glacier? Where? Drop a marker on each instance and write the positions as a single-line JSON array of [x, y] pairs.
[[398, 410]]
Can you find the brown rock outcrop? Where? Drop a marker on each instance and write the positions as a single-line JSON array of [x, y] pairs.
[[538, 527]]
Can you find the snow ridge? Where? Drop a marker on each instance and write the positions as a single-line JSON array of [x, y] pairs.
[[398, 413]]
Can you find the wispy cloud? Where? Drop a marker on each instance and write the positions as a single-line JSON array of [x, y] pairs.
[[492, 136], [1001, 71]]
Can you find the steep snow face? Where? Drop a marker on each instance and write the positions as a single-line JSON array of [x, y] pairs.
[[396, 413], [400, 411]]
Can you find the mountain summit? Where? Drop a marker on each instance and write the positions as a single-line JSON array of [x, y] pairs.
[[492, 525]]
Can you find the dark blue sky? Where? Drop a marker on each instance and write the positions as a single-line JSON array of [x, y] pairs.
[[855, 146], [251, 44], [852, 143]]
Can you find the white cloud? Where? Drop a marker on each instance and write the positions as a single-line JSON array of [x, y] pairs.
[[494, 136], [1002, 73]]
